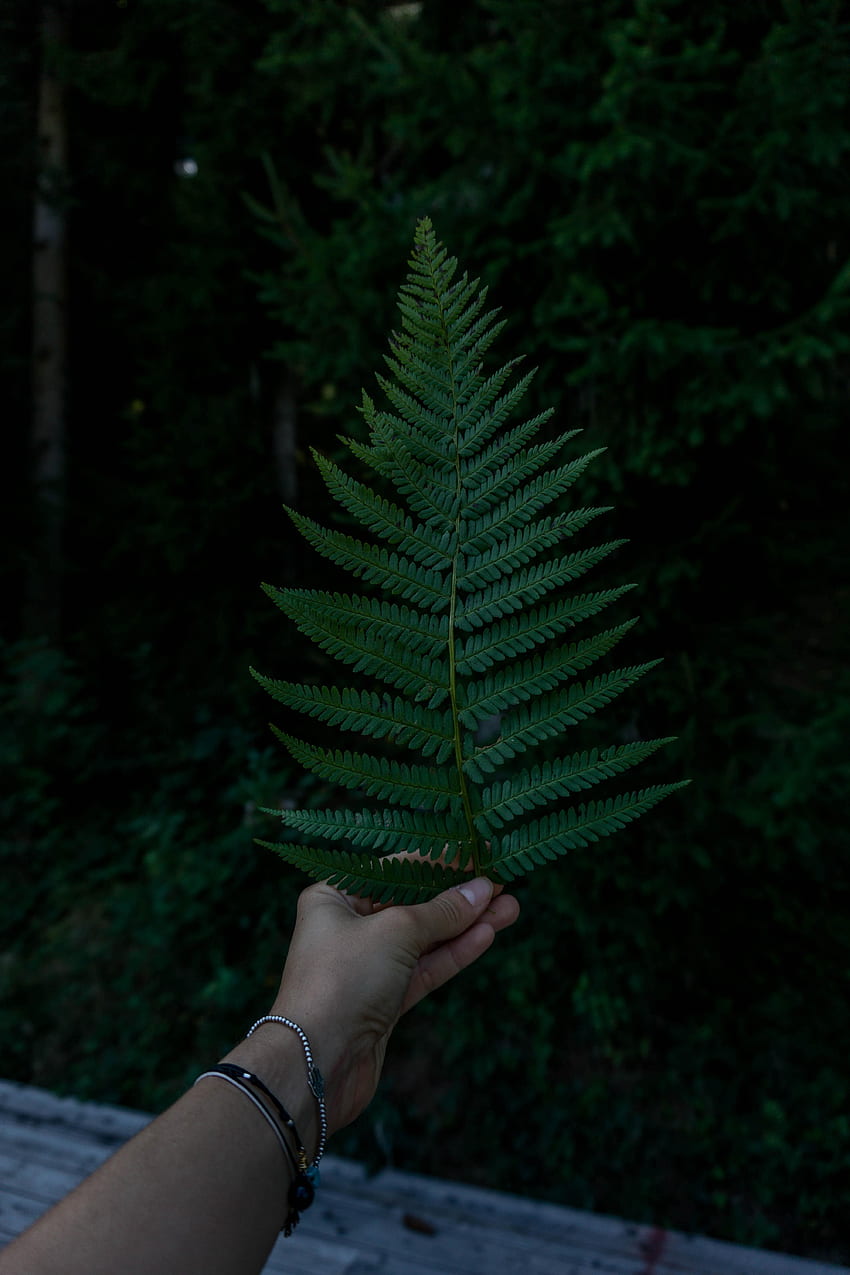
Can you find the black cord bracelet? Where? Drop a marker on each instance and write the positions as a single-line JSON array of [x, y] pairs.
[[240, 1073], [302, 1190]]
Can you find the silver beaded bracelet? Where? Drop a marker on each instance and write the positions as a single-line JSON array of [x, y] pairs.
[[314, 1076]]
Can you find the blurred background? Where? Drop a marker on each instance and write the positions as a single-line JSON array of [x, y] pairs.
[[208, 208]]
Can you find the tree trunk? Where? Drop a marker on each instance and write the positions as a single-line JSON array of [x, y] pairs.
[[285, 438], [44, 591]]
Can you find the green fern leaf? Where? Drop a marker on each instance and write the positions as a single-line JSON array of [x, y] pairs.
[[548, 715], [346, 628], [393, 781], [520, 633], [393, 830], [548, 838], [513, 591], [541, 785], [522, 505], [494, 693], [521, 547], [386, 880], [492, 419], [383, 518], [411, 725], [400, 575], [476, 631]]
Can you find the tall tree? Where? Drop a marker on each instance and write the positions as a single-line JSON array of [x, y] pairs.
[[43, 601]]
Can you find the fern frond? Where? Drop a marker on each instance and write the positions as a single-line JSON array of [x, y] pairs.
[[541, 785], [391, 831], [383, 518], [533, 843], [483, 463], [419, 442], [463, 300], [383, 880], [345, 628], [499, 483], [413, 786], [488, 395], [516, 550], [517, 634], [413, 412], [521, 507], [402, 576], [470, 625], [345, 616], [547, 716], [476, 433], [428, 496], [495, 693], [410, 725], [511, 592]]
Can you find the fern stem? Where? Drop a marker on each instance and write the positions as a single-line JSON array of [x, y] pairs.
[[456, 725], [478, 864]]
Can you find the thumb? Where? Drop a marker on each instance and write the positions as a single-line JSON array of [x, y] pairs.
[[453, 911]]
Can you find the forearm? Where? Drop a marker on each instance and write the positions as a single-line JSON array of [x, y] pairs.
[[201, 1189]]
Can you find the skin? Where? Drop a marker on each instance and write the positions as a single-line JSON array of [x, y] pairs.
[[203, 1187]]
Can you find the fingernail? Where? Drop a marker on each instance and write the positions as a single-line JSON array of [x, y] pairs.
[[477, 891]]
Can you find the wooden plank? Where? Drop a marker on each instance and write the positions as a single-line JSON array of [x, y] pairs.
[[479, 1230], [77, 1156], [395, 1223], [26, 1104], [37, 1179]]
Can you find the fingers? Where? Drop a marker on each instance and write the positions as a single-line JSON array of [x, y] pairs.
[[451, 912], [440, 965]]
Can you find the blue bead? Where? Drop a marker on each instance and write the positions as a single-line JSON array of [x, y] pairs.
[[301, 1193]]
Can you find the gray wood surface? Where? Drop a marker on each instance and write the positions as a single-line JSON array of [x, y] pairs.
[[394, 1223]]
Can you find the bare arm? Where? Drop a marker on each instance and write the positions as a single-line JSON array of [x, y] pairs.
[[204, 1187]]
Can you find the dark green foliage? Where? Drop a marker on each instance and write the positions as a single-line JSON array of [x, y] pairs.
[[130, 930], [658, 194], [467, 558]]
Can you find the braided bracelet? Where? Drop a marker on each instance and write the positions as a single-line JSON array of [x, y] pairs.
[[301, 1191], [314, 1076]]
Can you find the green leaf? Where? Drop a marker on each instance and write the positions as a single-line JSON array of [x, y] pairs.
[[389, 831], [494, 693], [477, 632], [547, 715], [516, 589], [519, 548], [517, 634], [432, 788], [411, 725], [385, 519], [383, 880], [521, 506], [544, 784], [410, 580], [532, 844], [406, 655]]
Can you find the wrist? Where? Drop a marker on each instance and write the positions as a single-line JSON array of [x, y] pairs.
[[277, 1058]]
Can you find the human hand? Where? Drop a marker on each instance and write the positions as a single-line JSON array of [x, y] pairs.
[[355, 967]]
